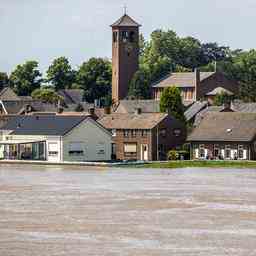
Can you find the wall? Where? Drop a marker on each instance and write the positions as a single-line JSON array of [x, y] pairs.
[[216, 80], [93, 138], [209, 149]]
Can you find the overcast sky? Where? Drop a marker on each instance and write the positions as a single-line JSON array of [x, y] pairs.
[[79, 29]]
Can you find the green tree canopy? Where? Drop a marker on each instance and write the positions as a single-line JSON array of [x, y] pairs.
[[26, 78], [222, 98], [47, 96], [139, 87], [94, 76], [4, 80], [60, 74], [171, 102]]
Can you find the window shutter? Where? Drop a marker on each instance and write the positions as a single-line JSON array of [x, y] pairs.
[[245, 154], [197, 153]]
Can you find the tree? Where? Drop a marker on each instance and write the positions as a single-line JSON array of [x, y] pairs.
[[26, 78], [47, 96], [139, 87], [95, 77], [171, 102], [60, 74], [222, 98], [4, 80]]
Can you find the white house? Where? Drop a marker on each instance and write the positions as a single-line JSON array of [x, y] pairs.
[[55, 138]]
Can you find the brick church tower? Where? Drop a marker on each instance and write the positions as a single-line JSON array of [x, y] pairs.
[[125, 55]]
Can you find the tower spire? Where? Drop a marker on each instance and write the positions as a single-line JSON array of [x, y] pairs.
[[125, 9]]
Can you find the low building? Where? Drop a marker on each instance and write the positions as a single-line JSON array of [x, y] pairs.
[[143, 136], [224, 135], [54, 138], [196, 85]]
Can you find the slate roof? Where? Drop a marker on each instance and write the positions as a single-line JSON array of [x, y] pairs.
[[199, 117], [125, 21], [193, 110], [71, 96], [8, 94], [147, 106], [43, 124], [226, 127], [182, 79], [132, 121], [219, 90], [244, 107]]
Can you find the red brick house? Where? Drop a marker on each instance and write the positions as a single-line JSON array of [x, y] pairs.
[[224, 135], [143, 136], [196, 85]]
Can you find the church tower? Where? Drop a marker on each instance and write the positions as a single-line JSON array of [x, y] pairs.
[[125, 55]]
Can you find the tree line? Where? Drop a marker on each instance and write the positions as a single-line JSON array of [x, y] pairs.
[[163, 53]]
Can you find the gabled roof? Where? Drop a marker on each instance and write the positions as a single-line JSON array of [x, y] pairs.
[[219, 90], [8, 94], [132, 121], [146, 106], [43, 124], [181, 79], [72, 96], [200, 115], [125, 21], [193, 110], [225, 126]]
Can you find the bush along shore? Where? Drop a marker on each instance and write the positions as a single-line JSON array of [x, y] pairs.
[[208, 164]]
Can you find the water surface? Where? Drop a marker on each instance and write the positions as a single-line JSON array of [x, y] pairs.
[[77, 211]]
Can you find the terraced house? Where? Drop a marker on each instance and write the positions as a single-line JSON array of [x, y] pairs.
[[143, 136], [224, 136]]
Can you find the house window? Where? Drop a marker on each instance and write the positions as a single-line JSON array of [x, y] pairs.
[[53, 149], [177, 132], [133, 133], [115, 37], [216, 151], [126, 133], [144, 133], [125, 36], [163, 132], [76, 149], [100, 148], [114, 132], [130, 149], [201, 151], [227, 152], [240, 151]]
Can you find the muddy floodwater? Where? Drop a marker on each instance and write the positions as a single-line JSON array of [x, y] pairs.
[[56, 211]]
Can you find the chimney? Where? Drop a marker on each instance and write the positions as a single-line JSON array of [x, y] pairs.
[[138, 111], [227, 105], [107, 110], [197, 84]]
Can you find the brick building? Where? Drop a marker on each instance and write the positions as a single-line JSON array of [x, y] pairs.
[[125, 55], [196, 85], [143, 136], [224, 135]]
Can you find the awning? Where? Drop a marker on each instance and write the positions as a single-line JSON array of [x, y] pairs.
[[11, 142]]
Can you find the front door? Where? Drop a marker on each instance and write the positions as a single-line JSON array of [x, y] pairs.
[[144, 152]]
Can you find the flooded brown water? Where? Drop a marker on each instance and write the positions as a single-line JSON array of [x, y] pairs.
[[56, 211]]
